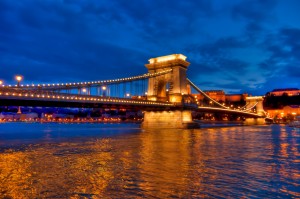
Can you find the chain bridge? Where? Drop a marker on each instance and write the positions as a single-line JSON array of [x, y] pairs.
[[164, 94]]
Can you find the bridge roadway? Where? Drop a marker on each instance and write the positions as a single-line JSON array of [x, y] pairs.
[[19, 97], [15, 97]]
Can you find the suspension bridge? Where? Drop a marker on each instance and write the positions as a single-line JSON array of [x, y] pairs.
[[164, 94]]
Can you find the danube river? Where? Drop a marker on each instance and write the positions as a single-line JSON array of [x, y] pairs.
[[124, 161]]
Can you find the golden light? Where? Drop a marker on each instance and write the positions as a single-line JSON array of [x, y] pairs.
[[84, 90], [104, 88], [167, 58], [19, 78], [1, 82]]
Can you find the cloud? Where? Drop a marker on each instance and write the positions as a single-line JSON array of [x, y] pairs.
[[253, 10], [284, 47], [233, 45]]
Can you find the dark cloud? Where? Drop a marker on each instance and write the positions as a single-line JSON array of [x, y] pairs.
[[254, 10], [284, 49], [215, 58]]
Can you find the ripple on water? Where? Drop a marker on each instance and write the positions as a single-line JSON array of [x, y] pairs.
[[231, 162]]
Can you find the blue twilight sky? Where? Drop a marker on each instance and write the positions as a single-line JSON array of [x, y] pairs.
[[237, 45]]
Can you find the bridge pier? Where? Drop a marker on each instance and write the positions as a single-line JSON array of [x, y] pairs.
[[181, 119], [170, 87], [254, 121]]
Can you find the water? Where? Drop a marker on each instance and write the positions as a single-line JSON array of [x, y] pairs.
[[123, 161]]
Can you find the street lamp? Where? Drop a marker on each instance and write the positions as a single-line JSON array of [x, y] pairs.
[[1, 82], [103, 91], [127, 95], [84, 90], [19, 79]]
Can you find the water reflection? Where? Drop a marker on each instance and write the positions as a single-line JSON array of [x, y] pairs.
[[237, 162]]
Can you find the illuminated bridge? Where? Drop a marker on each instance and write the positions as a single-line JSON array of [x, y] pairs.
[[164, 94]]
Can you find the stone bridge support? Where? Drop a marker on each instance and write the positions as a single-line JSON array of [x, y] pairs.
[[257, 102], [171, 87], [176, 119]]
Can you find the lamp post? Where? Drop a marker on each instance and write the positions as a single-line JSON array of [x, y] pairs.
[[104, 91], [19, 79], [1, 82]]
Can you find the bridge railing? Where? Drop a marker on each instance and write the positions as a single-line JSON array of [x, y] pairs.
[[12, 93]]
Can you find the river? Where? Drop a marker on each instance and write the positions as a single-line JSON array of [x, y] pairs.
[[123, 161]]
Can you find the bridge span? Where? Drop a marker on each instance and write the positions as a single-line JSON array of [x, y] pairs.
[[164, 94]]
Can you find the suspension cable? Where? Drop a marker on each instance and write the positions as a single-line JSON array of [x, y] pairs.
[[203, 93]]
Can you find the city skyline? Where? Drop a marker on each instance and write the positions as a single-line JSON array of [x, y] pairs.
[[236, 46]]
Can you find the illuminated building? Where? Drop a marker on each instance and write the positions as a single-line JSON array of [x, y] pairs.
[[286, 110], [220, 96], [287, 91]]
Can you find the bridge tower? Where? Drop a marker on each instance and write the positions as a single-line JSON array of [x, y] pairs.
[[257, 102], [170, 87]]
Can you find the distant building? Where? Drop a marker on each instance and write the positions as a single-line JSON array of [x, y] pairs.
[[220, 96], [28, 116], [232, 98], [286, 110], [288, 91], [7, 116]]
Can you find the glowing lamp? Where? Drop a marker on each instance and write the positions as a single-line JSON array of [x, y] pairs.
[[167, 58], [19, 78]]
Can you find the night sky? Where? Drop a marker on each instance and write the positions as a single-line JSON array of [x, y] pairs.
[[239, 46]]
